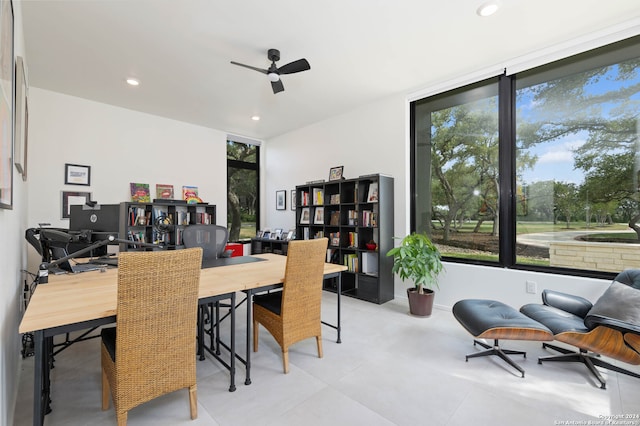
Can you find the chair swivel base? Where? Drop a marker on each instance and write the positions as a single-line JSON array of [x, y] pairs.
[[496, 350], [588, 359]]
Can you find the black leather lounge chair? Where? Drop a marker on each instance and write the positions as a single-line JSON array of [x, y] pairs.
[[609, 327]]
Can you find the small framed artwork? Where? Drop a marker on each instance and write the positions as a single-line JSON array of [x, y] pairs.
[[319, 216], [20, 140], [281, 200], [291, 234], [75, 174], [293, 199], [336, 173], [304, 216], [72, 198]]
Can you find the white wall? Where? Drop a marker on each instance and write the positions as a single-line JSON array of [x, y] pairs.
[[121, 146], [12, 261], [372, 139], [365, 141]]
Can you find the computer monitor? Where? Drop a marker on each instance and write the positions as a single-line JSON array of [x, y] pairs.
[[102, 220]]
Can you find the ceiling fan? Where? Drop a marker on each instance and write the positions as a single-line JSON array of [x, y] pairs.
[[274, 73]]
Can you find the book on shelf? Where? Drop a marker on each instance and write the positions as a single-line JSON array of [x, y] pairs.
[[203, 218], [352, 217], [140, 192], [190, 194], [334, 239], [182, 217], [334, 218], [138, 216], [164, 191], [304, 198], [351, 262], [305, 233], [318, 196], [334, 199], [369, 218], [353, 239]]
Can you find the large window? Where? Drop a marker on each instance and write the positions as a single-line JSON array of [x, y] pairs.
[[243, 196], [538, 170]]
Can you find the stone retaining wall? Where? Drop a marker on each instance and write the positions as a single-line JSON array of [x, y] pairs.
[[611, 257]]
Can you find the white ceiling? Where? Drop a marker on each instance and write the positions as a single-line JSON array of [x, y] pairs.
[[359, 51]]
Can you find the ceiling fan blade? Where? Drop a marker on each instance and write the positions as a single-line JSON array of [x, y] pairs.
[[277, 86], [295, 66], [250, 67]]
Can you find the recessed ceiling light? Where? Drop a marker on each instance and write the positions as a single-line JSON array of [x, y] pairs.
[[255, 117], [133, 81], [488, 8]]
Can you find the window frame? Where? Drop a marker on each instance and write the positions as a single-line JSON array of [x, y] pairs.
[[245, 165], [507, 157]]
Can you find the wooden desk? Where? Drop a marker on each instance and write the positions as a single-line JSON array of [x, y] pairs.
[[75, 302]]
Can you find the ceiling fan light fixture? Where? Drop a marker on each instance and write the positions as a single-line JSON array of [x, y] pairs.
[[488, 8], [273, 77]]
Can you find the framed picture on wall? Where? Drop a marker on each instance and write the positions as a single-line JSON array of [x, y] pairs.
[[6, 104], [293, 199], [281, 200], [72, 198], [75, 174]]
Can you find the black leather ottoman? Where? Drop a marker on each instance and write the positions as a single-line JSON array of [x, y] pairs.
[[489, 319]]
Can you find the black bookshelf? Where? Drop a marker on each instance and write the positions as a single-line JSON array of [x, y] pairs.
[[348, 213], [161, 223]]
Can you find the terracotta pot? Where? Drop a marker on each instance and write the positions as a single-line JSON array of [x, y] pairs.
[[420, 304]]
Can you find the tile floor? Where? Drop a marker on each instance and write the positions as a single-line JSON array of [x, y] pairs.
[[390, 369]]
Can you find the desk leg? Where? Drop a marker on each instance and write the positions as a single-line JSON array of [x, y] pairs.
[[247, 380], [40, 378], [339, 295], [201, 309], [232, 363]]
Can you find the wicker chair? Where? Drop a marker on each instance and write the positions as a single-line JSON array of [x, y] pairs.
[[152, 352], [293, 314]]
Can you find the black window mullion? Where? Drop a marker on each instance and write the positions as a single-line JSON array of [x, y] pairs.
[[507, 164]]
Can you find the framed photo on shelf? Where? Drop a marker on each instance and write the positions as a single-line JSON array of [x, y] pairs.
[[372, 196], [304, 216], [291, 234], [281, 200], [72, 198], [75, 174], [336, 173], [319, 216], [293, 199]]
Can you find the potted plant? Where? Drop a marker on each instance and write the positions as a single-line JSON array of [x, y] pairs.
[[418, 259]]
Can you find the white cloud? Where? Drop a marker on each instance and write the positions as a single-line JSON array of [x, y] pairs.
[[561, 153]]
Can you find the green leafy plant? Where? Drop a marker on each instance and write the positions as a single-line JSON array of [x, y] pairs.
[[417, 259]]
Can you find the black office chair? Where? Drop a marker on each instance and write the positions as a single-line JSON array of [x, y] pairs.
[[211, 238], [213, 241]]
